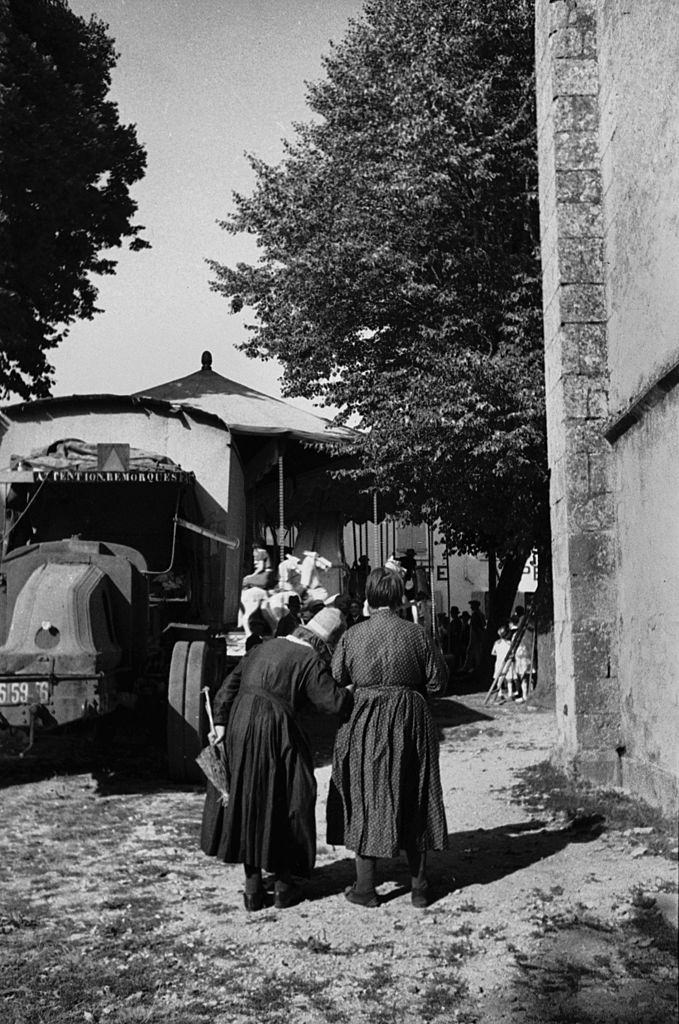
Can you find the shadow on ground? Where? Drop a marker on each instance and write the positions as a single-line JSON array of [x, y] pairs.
[[125, 757], [477, 857], [131, 757]]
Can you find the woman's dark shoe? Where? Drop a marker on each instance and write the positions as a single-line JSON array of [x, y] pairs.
[[419, 896], [369, 898], [254, 900], [286, 897]]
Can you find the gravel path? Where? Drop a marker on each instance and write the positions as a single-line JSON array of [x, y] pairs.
[[109, 911]]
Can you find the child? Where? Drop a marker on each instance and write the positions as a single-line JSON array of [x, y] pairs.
[[500, 650]]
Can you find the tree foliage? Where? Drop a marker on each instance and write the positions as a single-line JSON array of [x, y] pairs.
[[399, 272], [66, 166]]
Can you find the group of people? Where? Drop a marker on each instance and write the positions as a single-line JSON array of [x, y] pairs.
[[385, 792], [514, 657], [461, 636]]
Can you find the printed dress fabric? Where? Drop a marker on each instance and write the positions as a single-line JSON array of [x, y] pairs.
[[385, 794], [524, 653], [270, 818]]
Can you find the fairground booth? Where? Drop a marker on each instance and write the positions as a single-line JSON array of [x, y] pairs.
[[128, 523], [191, 474]]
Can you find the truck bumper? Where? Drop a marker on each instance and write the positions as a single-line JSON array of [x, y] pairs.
[[55, 700]]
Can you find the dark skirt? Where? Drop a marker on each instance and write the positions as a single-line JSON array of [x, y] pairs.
[[385, 793], [270, 818]]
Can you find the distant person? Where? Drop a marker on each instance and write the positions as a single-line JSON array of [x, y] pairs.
[[343, 602], [362, 573], [516, 618], [503, 672], [455, 637], [409, 566], [310, 609], [478, 619], [355, 614], [269, 822], [477, 626], [442, 628], [422, 612], [262, 574], [524, 629], [464, 636], [291, 618], [386, 791]]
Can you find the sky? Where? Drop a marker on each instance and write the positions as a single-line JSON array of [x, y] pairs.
[[204, 81]]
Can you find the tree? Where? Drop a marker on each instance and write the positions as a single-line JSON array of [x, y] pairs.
[[399, 278], [66, 166]]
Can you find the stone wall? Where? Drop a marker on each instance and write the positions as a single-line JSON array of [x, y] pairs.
[[609, 177], [587, 702]]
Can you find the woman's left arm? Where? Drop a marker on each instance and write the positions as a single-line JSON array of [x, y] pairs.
[[436, 670], [226, 694], [324, 693]]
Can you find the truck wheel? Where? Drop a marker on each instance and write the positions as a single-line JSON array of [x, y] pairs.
[[175, 710], [195, 716], [186, 718]]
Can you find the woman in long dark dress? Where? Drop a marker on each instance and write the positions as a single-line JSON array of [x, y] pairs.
[[385, 764], [269, 822]]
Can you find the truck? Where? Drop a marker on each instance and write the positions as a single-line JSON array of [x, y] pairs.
[[118, 581]]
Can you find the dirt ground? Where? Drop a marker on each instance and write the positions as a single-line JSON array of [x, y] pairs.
[[110, 912]]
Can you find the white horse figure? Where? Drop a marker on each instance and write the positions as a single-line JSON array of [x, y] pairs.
[[295, 577], [290, 574], [310, 580]]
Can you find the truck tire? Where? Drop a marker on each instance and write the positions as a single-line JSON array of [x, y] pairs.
[[186, 717], [175, 711], [195, 717]]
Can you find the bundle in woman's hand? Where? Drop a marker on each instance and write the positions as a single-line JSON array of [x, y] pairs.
[[212, 759]]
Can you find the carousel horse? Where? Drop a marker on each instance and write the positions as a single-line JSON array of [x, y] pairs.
[[295, 577], [394, 565]]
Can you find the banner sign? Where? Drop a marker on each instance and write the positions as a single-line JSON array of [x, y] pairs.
[[98, 476]]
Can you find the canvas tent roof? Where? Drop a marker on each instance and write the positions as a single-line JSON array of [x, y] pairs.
[[245, 410]]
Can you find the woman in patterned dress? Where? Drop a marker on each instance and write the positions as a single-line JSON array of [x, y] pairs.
[[386, 791]]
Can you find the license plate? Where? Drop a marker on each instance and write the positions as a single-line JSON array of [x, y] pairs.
[[31, 692]]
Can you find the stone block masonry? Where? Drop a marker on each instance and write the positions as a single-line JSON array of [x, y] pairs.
[[571, 222], [608, 155]]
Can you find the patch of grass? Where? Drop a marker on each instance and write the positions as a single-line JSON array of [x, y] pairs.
[[651, 925], [443, 997], [313, 944], [268, 1000], [463, 929], [325, 1005], [379, 977], [123, 964], [544, 787], [376, 991], [454, 952], [548, 897], [17, 913], [667, 886], [469, 907]]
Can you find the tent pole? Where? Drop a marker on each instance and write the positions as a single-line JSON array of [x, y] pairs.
[[376, 530]]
